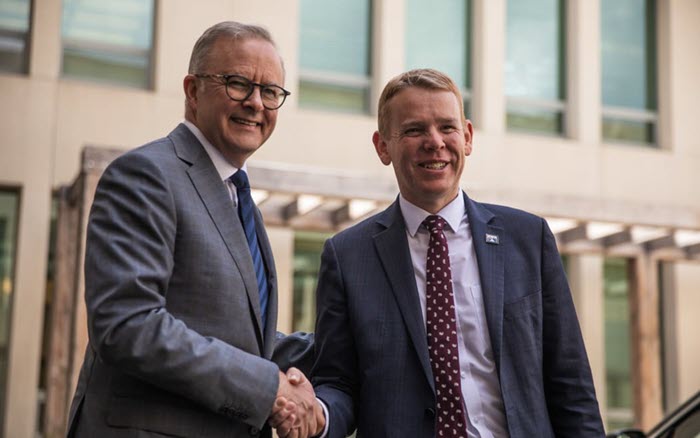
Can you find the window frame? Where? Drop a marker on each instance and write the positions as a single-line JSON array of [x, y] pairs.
[[27, 45], [650, 115], [81, 47], [558, 107], [360, 84]]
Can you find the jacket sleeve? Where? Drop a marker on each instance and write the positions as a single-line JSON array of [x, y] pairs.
[[129, 261], [334, 374], [568, 383]]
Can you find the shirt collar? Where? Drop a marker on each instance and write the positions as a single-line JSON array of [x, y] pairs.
[[453, 213], [223, 167]]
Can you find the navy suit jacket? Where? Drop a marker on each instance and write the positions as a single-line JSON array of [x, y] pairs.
[[372, 367]]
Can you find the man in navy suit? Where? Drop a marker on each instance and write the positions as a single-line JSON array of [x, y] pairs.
[[440, 286]]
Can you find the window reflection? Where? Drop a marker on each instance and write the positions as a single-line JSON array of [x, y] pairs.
[[618, 374], [334, 54], [108, 41], [9, 201], [440, 38], [534, 69], [307, 261], [14, 35], [628, 70]]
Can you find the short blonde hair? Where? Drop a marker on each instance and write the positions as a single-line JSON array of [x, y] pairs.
[[426, 78]]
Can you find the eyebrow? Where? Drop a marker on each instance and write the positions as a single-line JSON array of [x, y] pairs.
[[420, 123]]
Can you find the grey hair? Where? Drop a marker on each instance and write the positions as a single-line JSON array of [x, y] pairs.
[[225, 29]]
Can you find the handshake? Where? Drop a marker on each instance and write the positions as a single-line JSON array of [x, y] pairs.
[[296, 413]]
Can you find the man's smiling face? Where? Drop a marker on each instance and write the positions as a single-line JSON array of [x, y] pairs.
[[427, 140], [236, 129]]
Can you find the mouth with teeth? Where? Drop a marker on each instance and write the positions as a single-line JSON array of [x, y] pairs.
[[434, 165], [245, 122]]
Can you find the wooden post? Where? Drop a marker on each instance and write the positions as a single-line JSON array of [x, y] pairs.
[[58, 390], [646, 351]]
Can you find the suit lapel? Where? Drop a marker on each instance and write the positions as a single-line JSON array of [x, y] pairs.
[[394, 254], [218, 203], [490, 258]]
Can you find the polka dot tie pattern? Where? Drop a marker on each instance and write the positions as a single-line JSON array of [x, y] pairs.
[[442, 334]]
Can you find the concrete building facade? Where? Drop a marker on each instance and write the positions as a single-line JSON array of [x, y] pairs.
[[616, 206]]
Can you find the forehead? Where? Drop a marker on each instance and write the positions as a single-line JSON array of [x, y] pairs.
[[416, 104], [254, 58]]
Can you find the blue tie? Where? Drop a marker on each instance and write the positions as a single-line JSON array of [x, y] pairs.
[[246, 209]]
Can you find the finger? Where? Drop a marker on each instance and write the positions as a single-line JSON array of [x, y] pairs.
[[280, 415], [295, 376], [286, 426], [280, 403]]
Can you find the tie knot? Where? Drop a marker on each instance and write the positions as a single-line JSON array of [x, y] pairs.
[[434, 223], [240, 179]]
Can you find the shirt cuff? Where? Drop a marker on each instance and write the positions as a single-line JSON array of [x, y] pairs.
[[323, 434]]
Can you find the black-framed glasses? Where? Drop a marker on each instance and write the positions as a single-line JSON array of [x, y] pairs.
[[239, 88]]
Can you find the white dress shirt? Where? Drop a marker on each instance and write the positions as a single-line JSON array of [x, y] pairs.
[[481, 389], [223, 167]]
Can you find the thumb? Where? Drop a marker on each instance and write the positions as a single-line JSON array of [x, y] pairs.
[[295, 376]]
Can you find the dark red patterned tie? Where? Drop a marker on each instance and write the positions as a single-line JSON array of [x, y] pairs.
[[442, 334]]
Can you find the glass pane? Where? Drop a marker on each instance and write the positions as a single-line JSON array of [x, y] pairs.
[[315, 95], [108, 41], [14, 30], [618, 373], [534, 120], [438, 37], [9, 201], [307, 261], [629, 130], [628, 53], [534, 60], [335, 46], [335, 36]]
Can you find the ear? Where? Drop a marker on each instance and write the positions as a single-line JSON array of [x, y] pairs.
[[468, 137], [382, 148], [189, 84]]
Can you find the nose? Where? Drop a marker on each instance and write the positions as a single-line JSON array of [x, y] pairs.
[[434, 140], [254, 101]]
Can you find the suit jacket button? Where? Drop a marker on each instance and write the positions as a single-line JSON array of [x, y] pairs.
[[254, 430], [430, 412]]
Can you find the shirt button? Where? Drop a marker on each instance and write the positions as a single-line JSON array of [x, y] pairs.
[[464, 375]]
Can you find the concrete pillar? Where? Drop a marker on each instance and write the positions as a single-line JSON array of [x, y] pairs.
[[388, 30], [585, 273], [282, 242], [583, 70], [489, 48]]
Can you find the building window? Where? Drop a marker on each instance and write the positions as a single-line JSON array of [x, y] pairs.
[[629, 70], [618, 373], [335, 55], [534, 71], [307, 261], [110, 42], [14, 35], [9, 205], [440, 38]]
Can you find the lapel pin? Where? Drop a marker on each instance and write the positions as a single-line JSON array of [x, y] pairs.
[[492, 239]]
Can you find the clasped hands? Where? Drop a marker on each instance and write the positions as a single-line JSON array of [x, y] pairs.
[[296, 413]]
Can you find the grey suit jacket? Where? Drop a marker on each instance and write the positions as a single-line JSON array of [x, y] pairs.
[[372, 365], [176, 342]]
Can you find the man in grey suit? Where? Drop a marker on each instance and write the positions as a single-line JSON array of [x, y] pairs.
[[442, 316], [180, 280]]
